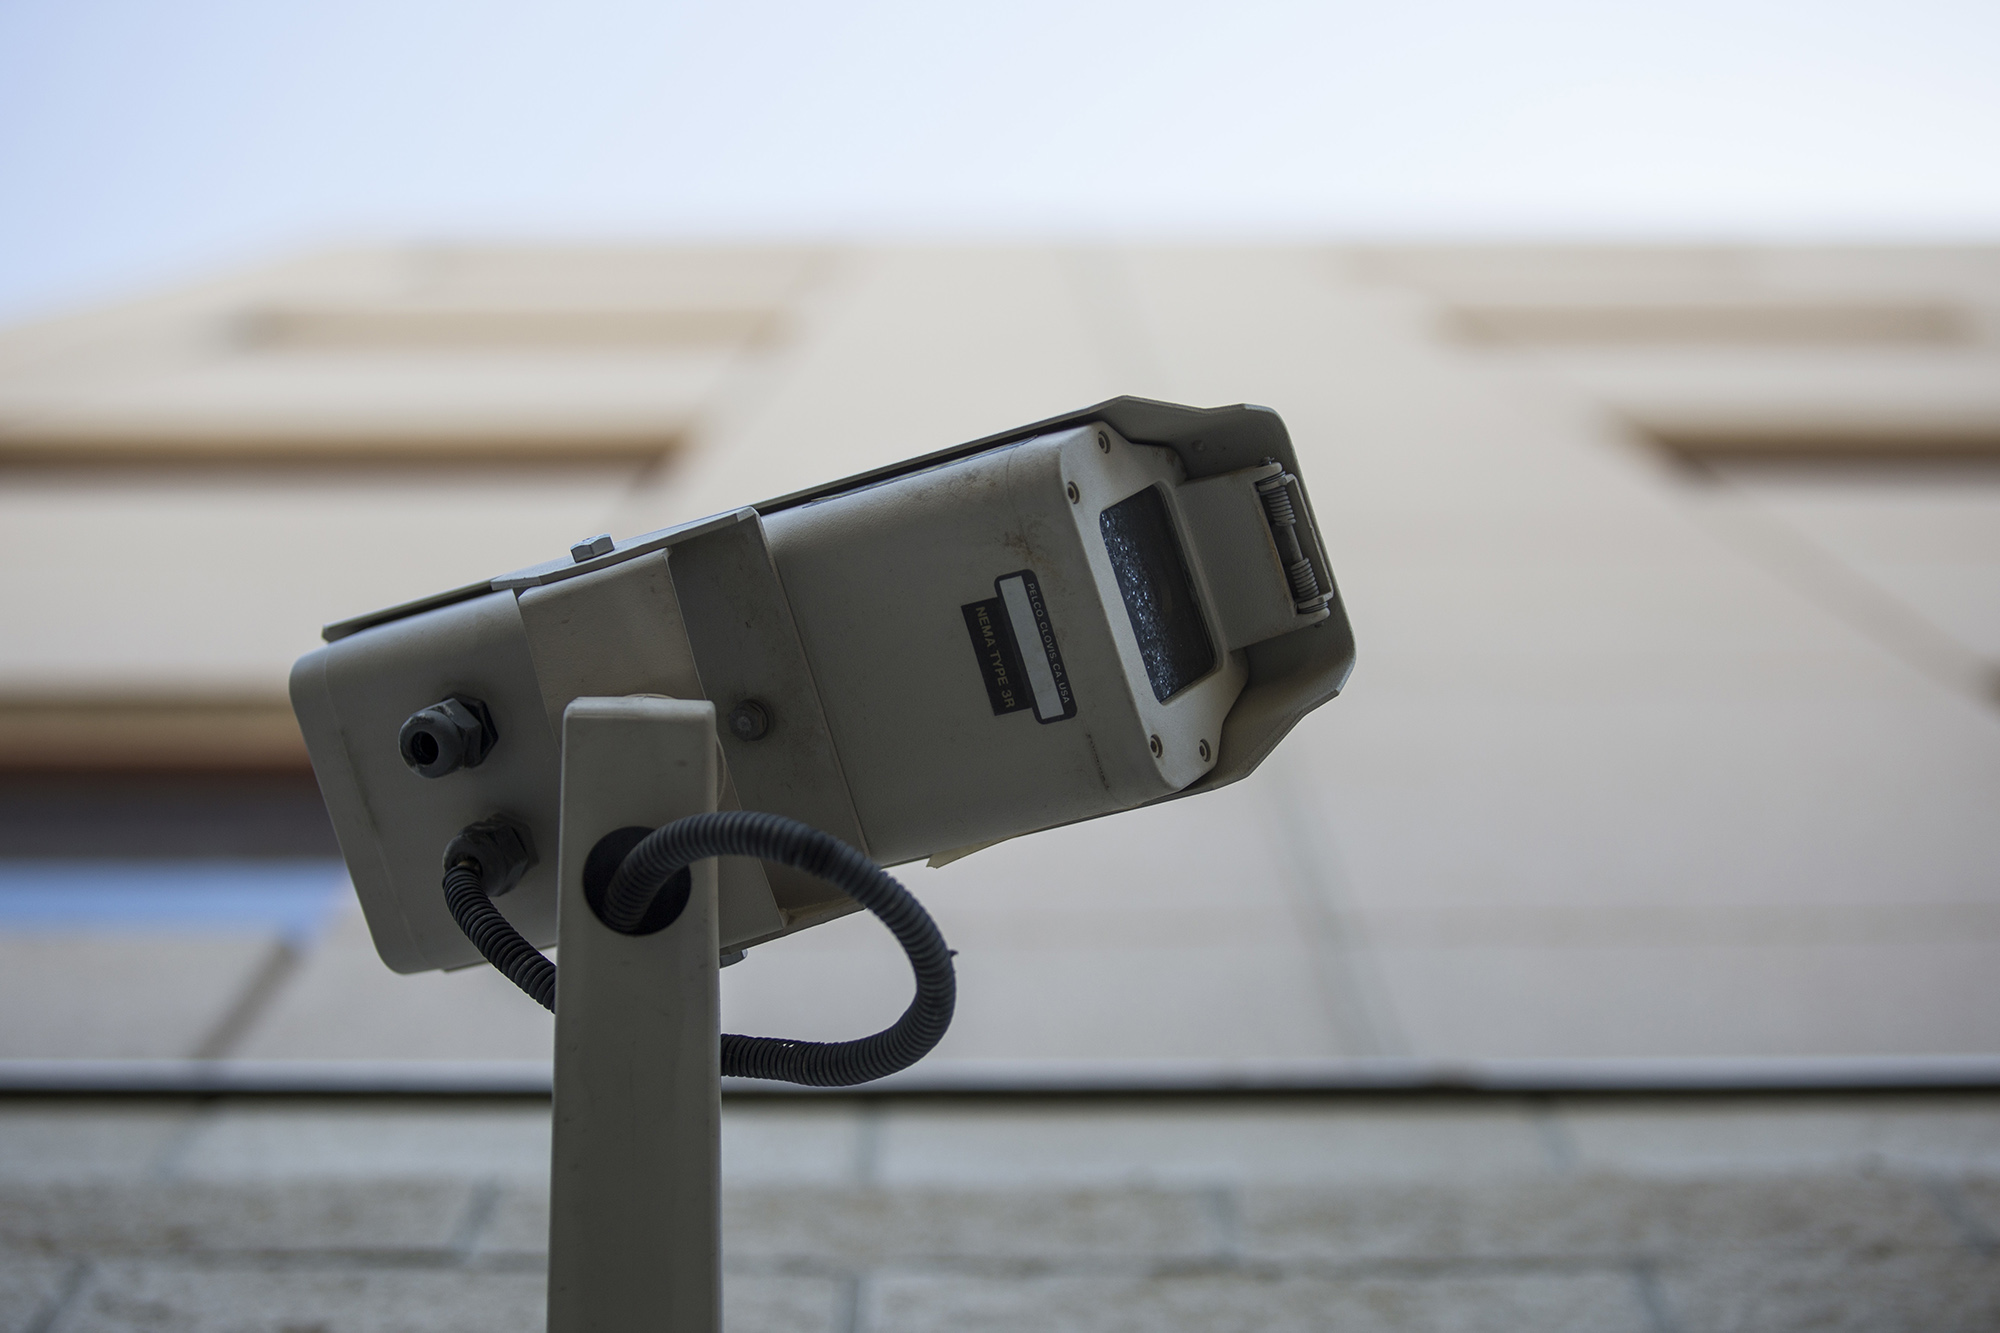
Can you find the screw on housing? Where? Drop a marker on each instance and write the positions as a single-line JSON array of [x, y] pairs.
[[749, 721], [592, 547]]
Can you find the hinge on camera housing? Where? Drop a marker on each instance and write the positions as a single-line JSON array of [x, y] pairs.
[[1282, 500]]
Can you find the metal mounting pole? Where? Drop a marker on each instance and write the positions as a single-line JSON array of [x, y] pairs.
[[635, 1183]]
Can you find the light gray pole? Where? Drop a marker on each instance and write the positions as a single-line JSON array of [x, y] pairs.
[[635, 1179]]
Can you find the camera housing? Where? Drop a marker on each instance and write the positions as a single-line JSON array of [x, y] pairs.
[[1096, 612]]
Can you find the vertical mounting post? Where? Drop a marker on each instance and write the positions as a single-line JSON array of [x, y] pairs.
[[635, 1179]]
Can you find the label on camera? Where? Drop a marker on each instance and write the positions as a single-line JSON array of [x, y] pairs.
[[1017, 652]]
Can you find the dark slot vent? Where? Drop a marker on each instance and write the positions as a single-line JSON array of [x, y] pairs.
[[1159, 594]]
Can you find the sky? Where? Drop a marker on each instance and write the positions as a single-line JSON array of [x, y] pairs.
[[144, 143]]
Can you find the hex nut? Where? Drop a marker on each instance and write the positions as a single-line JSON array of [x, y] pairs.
[[592, 547], [451, 734], [500, 846], [749, 721]]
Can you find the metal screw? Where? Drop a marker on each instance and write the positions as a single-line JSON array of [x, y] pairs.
[[749, 721], [1103, 442], [1153, 742], [1203, 747], [1074, 494]]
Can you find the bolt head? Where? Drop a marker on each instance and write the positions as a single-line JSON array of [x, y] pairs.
[[1153, 744], [591, 548], [749, 721]]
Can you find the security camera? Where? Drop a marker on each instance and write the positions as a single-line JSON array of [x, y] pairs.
[[1121, 606], [708, 737]]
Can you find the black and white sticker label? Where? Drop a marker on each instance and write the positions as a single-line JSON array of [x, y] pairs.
[[1017, 650]]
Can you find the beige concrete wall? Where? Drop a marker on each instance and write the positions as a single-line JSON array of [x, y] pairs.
[[1673, 732]]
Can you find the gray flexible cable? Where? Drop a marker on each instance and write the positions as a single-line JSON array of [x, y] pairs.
[[668, 850], [495, 937]]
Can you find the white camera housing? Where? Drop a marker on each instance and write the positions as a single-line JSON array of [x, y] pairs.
[[1089, 614]]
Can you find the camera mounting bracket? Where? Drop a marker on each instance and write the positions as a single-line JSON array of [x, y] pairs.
[[635, 1169]]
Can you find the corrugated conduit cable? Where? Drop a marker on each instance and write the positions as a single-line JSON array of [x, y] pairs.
[[655, 867]]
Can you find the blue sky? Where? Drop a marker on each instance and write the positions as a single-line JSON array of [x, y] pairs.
[[144, 142]]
